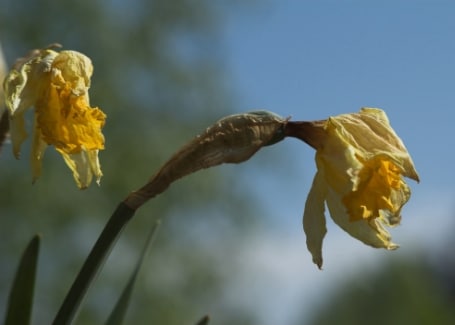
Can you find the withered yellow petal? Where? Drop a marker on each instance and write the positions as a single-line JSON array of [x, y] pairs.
[[371, 134], [72, 68], [314, 223], [24, 83], [18, 132], [23, 86], [37, 152], [84, 166]]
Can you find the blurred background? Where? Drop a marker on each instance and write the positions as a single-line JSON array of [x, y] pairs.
[[232, 244]]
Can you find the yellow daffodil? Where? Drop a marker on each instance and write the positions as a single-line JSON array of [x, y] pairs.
[[360, 163], [56, 84]]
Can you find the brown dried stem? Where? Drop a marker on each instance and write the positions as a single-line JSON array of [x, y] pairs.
[[312, 133], [233, 139]]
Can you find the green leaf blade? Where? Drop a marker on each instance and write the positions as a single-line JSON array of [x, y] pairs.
[[20, 301], [119, 311], [93, 264], [204, 320]]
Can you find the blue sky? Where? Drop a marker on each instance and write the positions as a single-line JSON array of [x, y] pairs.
[[313, 59]]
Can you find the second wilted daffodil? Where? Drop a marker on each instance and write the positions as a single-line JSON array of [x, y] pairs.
[[56, 84], [360, 163]]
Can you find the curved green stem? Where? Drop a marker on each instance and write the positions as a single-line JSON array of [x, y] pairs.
[[93, 263]]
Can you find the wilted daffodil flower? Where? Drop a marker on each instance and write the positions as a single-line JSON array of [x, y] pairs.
[[56, 84], [360, 163]]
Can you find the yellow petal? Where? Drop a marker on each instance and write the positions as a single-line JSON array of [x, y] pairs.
[[72, 68], [18, 132], [84, 166], [25, 81], [314, 219], [37, 152], [338, 161], [23, 85], [369, 131]]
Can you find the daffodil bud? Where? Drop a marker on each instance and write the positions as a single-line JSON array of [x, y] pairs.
[[233, 139], [56, 84], [360, 162]]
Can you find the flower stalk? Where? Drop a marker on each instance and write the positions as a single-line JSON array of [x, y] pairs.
[[101, 249], [233, 139]]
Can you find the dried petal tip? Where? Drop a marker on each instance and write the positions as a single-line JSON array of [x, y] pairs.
[[392, 247], [56, 84]]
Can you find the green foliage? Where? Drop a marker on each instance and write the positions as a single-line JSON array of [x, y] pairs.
[[118, 313], [399, 292], [93, 263], [20, 303]]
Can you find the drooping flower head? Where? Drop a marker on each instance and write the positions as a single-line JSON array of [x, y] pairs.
[[56, 84], [360, 167]]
